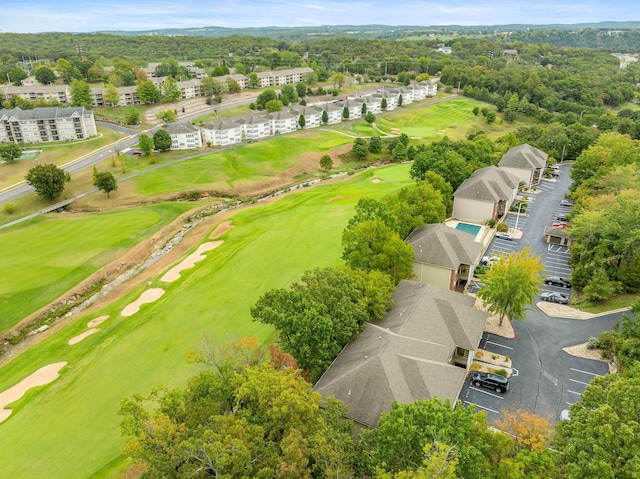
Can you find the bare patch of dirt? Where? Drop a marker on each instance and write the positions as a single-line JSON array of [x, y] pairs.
[[221, 229]]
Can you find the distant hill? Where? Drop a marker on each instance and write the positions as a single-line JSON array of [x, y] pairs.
[[368, 31]]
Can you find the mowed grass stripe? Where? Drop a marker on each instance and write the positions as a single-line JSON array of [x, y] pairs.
[[70, 428]]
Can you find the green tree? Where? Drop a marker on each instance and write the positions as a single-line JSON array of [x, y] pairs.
[[111, 96], [162, 140], [369, 117], [273, 106], [166, 116], [326, 163], [170, 91], [254, 81], [600, 287], [45, 75], [444, 187], [105, 182], [360, 149], [9, 152], [512, 284], [373, 246], [600, 439], [265, 97], [65, 69], [383, 104], [80, 93], [145, 143], [290, 92], [325, 117], [301, 121], [131, 115], [375, 144], [301, 90], [212, 87], [345, 113], [399, 153], [147, 92], [48, 180]]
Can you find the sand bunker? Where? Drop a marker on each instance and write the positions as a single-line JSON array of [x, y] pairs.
[[221, 229], [376, 180], [190, 261], [80, 337], [41, 377], [97, 321], [149, 296]]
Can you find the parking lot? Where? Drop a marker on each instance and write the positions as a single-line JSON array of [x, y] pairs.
[[546, 380]]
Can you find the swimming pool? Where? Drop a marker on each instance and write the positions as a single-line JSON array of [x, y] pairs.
[[467, 228]]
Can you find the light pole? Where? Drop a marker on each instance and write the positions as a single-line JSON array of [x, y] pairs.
[[515, 228], [563, 148]]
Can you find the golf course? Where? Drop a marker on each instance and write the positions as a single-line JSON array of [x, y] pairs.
[[131, 342]]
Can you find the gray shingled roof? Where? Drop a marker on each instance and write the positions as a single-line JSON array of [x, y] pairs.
[[524, 157], [42, 113], [441, 245], [219, 125], [488, 184], [180, 128], [405, 356], [556, 231]]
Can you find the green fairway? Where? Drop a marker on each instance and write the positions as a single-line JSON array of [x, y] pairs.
[[239, 165], [70, 427], [48, 257]]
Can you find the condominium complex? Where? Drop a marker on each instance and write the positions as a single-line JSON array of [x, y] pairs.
[[46, 124]]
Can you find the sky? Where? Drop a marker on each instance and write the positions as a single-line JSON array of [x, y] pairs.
[[34, 16]]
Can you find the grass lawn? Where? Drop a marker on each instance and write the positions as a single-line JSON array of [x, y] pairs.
[[56, 153], [617, 302], [49, 256], [240, 165], [70, 427], [117, 114]]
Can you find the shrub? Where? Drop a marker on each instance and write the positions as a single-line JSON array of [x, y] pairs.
[[475, 367], [593, 343], [501, 372], [9, 208], [490, 223], [502, 227]]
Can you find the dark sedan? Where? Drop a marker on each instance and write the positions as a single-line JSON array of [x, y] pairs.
[[557, 281], [555, 297]]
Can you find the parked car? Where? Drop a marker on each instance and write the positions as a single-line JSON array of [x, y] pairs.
[[554, 297], [561, 224], [555, 167], [136, 152], [491, 381], [566, 203], [504, 236], [489, 260], [561, 217], [557, 281]]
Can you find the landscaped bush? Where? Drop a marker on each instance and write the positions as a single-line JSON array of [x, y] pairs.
[[501, 372], [502, 227]]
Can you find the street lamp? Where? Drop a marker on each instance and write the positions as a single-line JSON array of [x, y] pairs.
[[515, 228], [563, 148]]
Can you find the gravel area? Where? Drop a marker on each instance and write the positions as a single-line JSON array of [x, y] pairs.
[[562, 311]]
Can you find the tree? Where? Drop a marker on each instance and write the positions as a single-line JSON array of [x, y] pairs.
[[369, 118], [326, 163], [400, 100], [375, 144], [105, 182], [212, 87], [325, 117], [147, 92], [337, 80], [233, 86], [290, 92], [530, 431], [111, 96], [373, 246], [512, 284], [383, 104], [80, 93], [360, 149], [345, 113], [145, 143], [600, 439], [131, 115], [265, 97], [162, 140], [9, 152], [166, 116], [254, 81], [65, 69], [45, 75], [170, 91], [47, 179], [273, 106], [399, 153], [301, 90]]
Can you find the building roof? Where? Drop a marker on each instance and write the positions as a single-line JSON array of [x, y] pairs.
[[220, 125], [488, 184], [556, 231], [43, 113], [440, 245], [305, 110], [524, 157], [181, 128], [281, 115], [18, 90], [405, 356]]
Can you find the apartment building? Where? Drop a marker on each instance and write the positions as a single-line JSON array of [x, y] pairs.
[[60, 93], [184, 136], [46, 124]]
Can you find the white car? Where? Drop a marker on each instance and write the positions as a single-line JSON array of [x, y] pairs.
[[489, 260]]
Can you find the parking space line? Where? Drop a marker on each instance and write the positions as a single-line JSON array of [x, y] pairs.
[[498, 344], [481, 407], [574, 392], [485, 392], [579, 382], [569, 403], [585, 372]]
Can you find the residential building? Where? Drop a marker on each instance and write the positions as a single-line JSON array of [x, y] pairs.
[[354, 107], [283, 77], [420, 350], [190, 88], [444, 256], [283, 122], [312, 117], [184, 136], [46, 124], [390, 95], [255, 127], [526, 163], [60, 93], [334, 112], [242, 80], [222, 132], [372, 102], [487, 194], [431, 86]]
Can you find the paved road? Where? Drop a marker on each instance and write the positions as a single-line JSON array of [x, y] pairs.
[[546, 379]]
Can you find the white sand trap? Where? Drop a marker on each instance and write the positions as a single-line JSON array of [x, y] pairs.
[[190, 261], [149, 296], [80, 337], [42, 376], [97, 321], [376, 180]]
